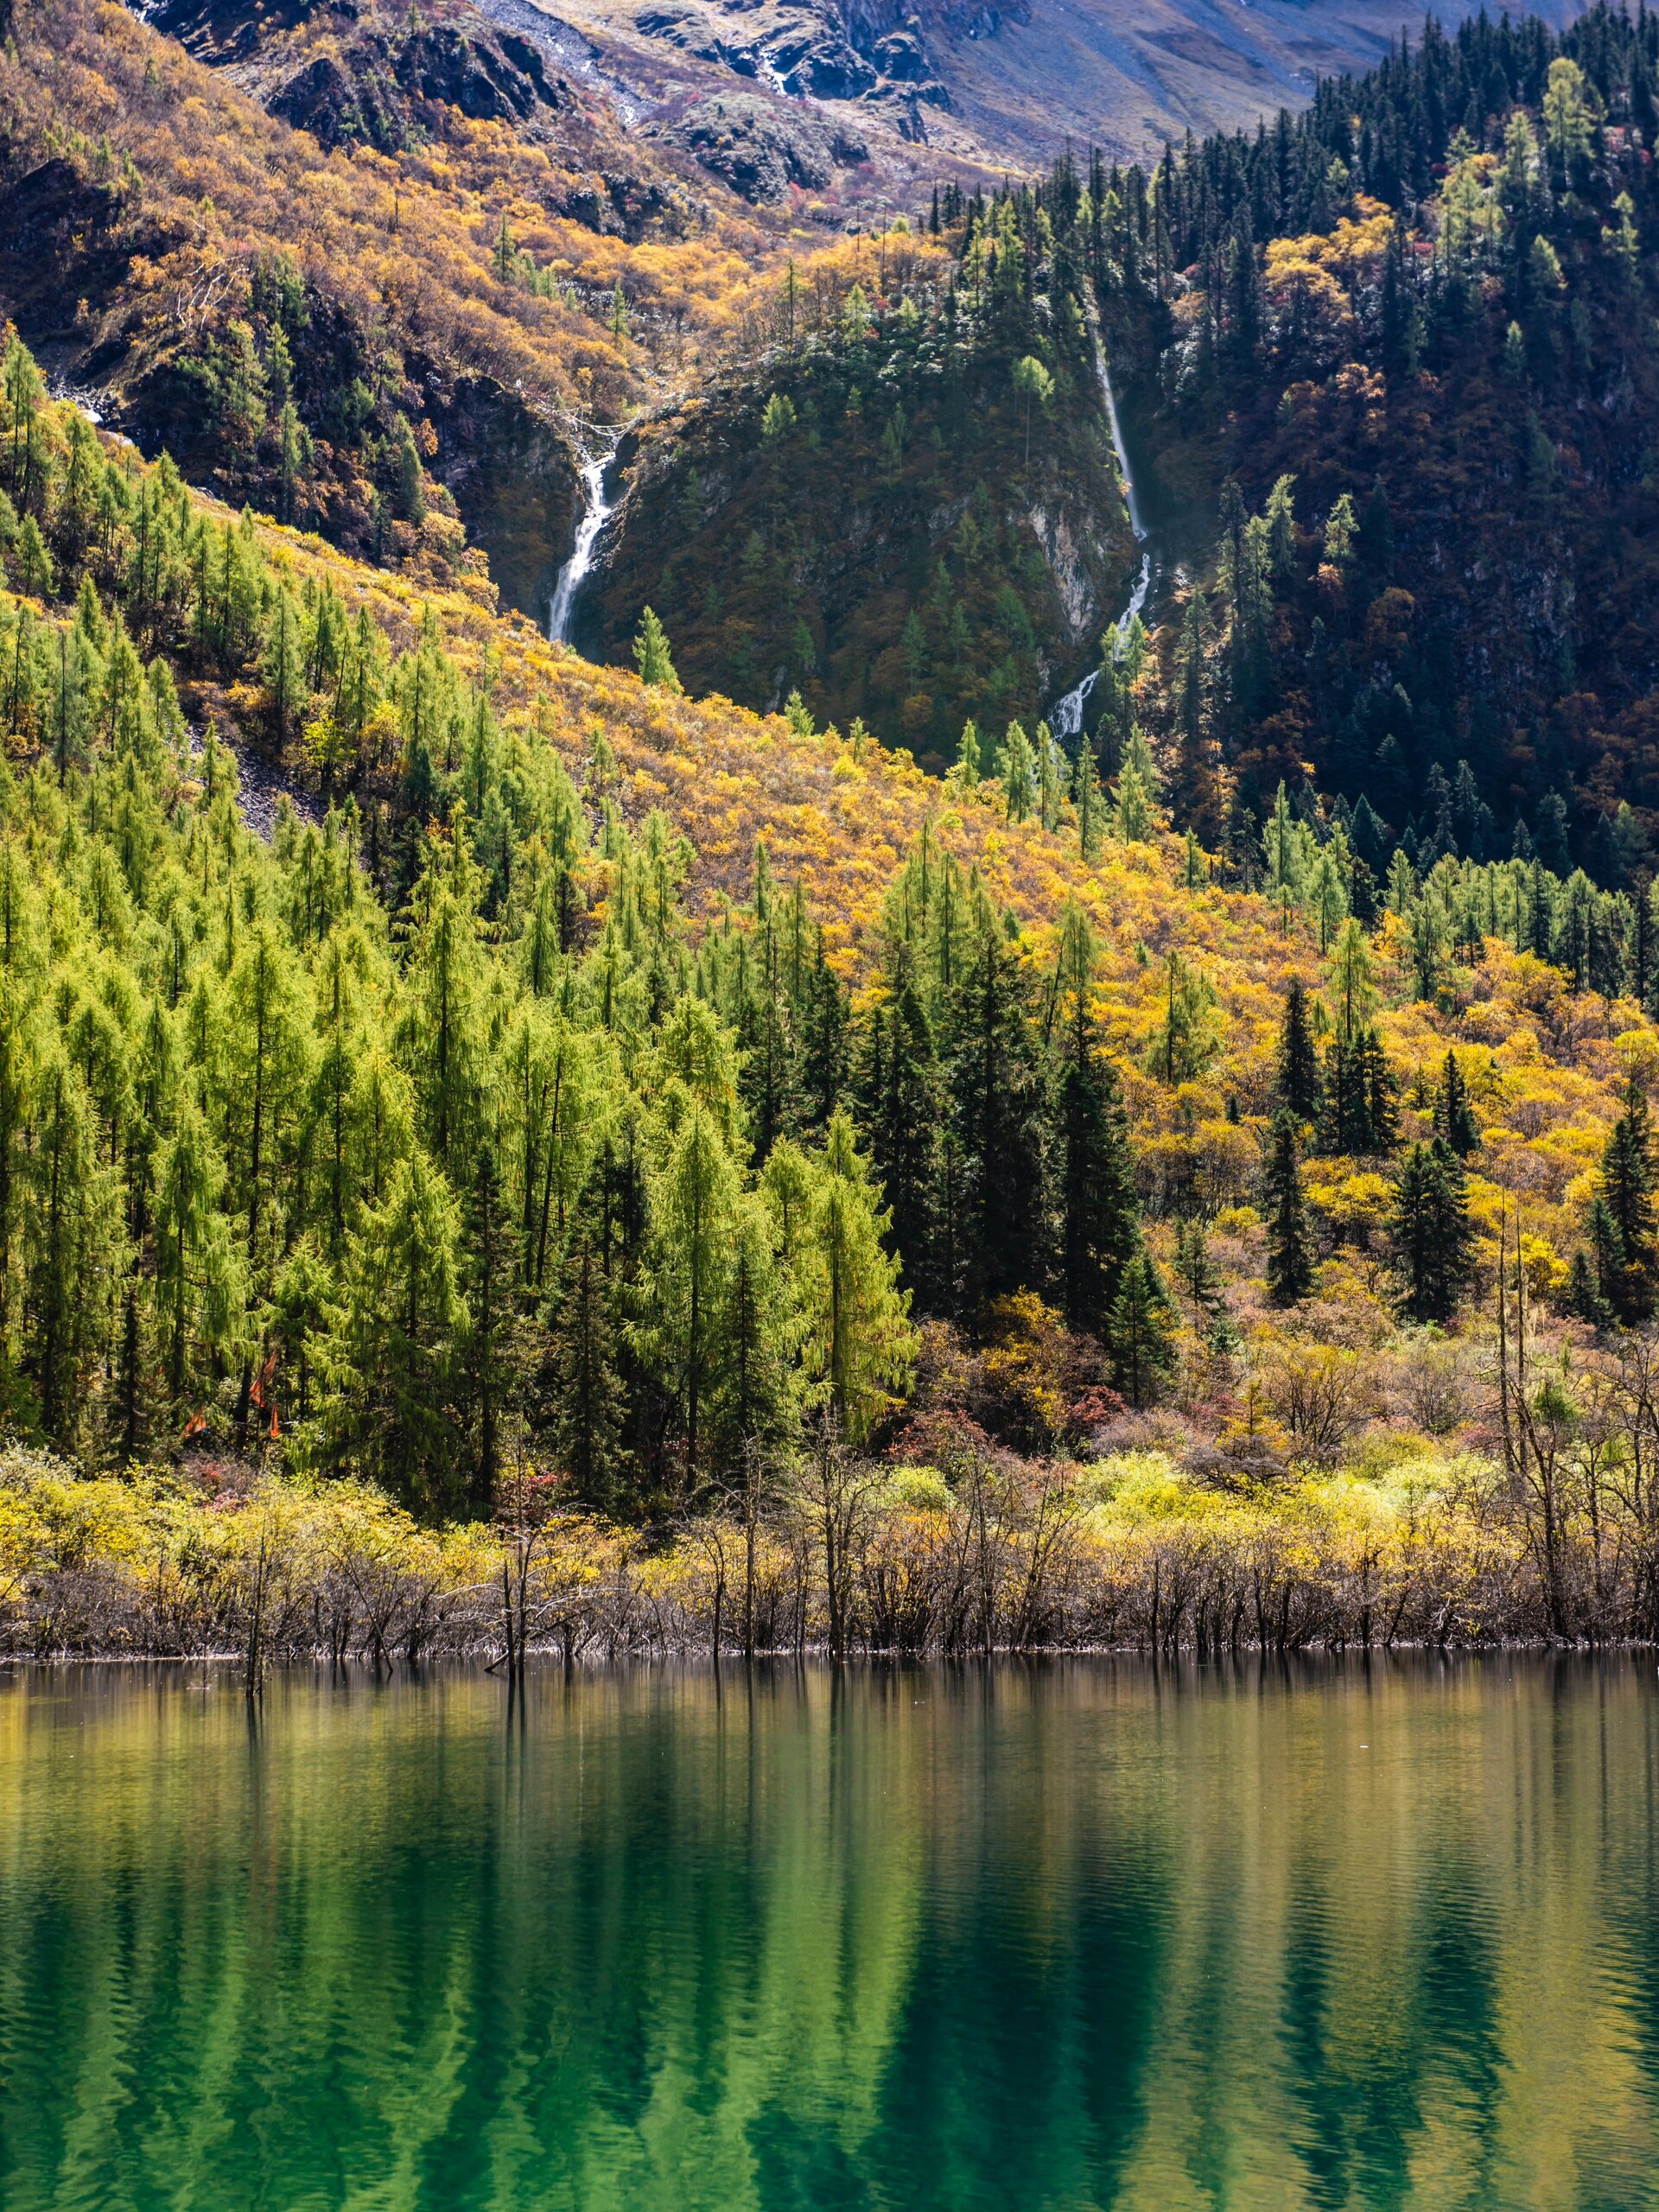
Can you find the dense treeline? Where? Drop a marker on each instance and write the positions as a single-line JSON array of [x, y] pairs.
[[420, 1130], [1415, 325]]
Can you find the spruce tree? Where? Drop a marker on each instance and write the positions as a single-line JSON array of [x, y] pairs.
[[1100, 1211], [1381, 1095], [586, 1398], [1454, 1117], [1625, 1187], [1432, 1234], [1584, 1296], [997, 1117], [968, 755], [392, 1356], [1297, 1072], [1194, 1268], [1290, 1244], [491, 1362], [1090, 805], [823, 1041], [1606, 1258], [1139, 1333], [651, 656]]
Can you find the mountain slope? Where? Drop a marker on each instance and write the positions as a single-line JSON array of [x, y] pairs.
[[352, 337], [907, 508], [1427, 308], [994, 86]]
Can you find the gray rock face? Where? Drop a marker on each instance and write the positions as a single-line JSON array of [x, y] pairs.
[[373, 86], [809, 49], [760, 147]]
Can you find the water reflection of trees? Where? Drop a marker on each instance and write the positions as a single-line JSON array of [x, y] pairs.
[[1070, 1935]]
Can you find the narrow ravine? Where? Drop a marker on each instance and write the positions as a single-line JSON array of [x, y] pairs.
[[1066, 718], [596, 512]]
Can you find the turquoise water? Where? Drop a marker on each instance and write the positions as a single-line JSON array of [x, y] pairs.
[[1074, 1936]]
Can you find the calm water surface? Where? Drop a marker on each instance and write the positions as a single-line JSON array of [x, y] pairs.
[[1073, 1937]]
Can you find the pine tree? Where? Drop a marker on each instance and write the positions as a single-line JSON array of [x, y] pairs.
[[857, 1345], [1381, 1094], [999, 1205], [899, 1103], [1583, 1293], [1454, 1117], [1291, 1272], [694, 1196], [1298, 1073], [769, 1083], [198, 1279], [1607, 1250], [1625, 1188], [1195, 1269], [1432, 1234], [283, 667], [823, 1041], [586, 1398], [968, 755], [1139, 1333], [1016, 767], [651, 656], [391, 1359], [1090, 805], [1360, 1114], [1100, 1212], [493, 1361]]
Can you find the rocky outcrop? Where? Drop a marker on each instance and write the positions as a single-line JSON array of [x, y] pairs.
[[517, 485], [371, 84], [760, 147], [816, 50]]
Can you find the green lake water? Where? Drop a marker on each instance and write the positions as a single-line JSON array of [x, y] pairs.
[[1070, 1936]]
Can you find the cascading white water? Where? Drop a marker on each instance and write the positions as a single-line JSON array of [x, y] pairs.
[[595, 513], [1066, 718]]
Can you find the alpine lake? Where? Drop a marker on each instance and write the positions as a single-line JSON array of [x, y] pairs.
[[1013, 1938]]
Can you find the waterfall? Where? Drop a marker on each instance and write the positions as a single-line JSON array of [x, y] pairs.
[[595, 513], [1066, 718]]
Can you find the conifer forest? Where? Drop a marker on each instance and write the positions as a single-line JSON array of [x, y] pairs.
[[866, 905]]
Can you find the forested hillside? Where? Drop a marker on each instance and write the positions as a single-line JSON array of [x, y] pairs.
[[1407, 342], [910, 512], [430, 1060], [383, 333], [632, 1084]]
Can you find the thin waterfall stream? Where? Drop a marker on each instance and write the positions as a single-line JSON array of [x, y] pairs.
[[1066, 719], [597, 508]]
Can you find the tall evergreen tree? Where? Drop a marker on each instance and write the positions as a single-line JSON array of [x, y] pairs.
[[1432, 1234], [1297, 1071], [1625, 1189], [1454, 1117], [900, 1102], [997, 1117], [1139, 1333], [586, 1398], [1100, 1212], [392, 1359], [1290, 1243]]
